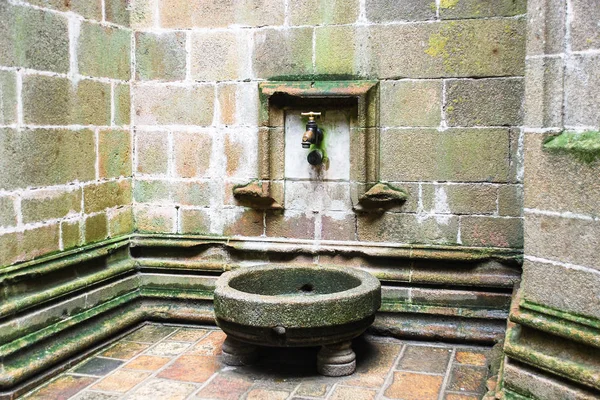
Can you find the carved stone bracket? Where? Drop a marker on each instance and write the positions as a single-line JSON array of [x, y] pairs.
[[382, 196]]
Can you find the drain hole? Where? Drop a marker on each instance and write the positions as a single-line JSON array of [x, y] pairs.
[[307, 288]]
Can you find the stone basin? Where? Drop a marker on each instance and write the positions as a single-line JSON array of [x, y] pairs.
[[296, 305]]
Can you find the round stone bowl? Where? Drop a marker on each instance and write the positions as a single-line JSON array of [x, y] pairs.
[[278, 305]]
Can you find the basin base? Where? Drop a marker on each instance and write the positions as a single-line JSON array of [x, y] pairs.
[[336, 359], [237, 353]]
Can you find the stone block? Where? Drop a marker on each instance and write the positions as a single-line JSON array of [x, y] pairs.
[[458, 9], [152, 191], [28, 244], [120, 221], [49, 100], [114, 153], [323, 12], [8, 97], [407, 228], [510, 200], [100, 196], [484, 102], [544, 90], [491, 231], [282, 54], [141, 14], [343, 52], [259, 12], [89, 9], [96, 228], [8, 216], [290, 224], [466, 48], [41, 205], [240, 222], [391, 10], [24, 157], [241, 153], [192, 153], [122, 105], [191, 193], [33, 38], [70, 234], [558, 182], [152, 152], [104, 51], [195, 221], [174, 105], [585, 31], [570, 290], [155, 219], [218, 56], [411, 205], [411, 103], [459, 199], [568, 240], [160, 56], [338, 226], [546, 26], [582, 90], [467, 155], [118, 11], [226, 96]]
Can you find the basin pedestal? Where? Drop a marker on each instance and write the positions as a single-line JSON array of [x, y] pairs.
[[336, 359], [236, 353]]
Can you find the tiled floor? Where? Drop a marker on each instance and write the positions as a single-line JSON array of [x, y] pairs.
[[172, 362]]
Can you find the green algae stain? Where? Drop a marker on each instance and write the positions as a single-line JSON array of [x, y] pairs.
[[446, 4], [437, 45], [584, 146]]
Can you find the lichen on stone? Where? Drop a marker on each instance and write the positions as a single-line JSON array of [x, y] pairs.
[[448, 3], [584, 146]]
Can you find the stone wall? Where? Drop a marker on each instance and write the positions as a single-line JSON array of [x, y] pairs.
[[556, 317], [65, 142], [450, 76]]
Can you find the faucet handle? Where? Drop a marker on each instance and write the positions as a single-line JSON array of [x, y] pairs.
[[311, 115]]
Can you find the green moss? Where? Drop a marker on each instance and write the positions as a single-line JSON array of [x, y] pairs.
[[437, 45], [584, 146], [448, 3]]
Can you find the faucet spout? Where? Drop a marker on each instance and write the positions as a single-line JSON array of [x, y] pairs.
[[313, 134]]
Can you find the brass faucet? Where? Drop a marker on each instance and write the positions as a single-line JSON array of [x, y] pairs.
[[313, 134]]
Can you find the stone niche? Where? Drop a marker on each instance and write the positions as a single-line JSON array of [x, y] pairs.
[[351, 122]]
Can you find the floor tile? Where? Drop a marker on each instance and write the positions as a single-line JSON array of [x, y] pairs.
[[121, 381], [267, 394], [425, 359], [226, 386], [188, 335], [191, 368], [168, 349], [125, 350], [464, 378], [147, 363], [455, 396], [98, 366], [162, 389], [210, 345], [63, 387], [414, 386], [312, 389], [151, 333], [85, 395], [373, 362], [346, 393], [471, 357]]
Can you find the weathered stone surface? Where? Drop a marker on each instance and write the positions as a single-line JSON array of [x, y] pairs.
[[510, 200], [240, 154], [226, 96], [470, 48], [338, 226], [391, 10], [152, 150], [141, 14], [323, 12], [407, 228], [558, 182], [114, 153], [544, 93], [24, 157], [25, 245], [225, 49], [491, 231], [49, 100], [456, 9], [343, 51], [152, 191], [175, 105], [70, 234], [117, 11], [572, 290], [411, 103], [192, 153], [459, 199], [122, 103], [160, 56], [578, 239], [239, 222], [120, 222], [90, 9], [98, 197], [104, 51], [290, 224], [96, 228], [195, 221], [8, 98], [259, 12], [42, 205], [484, 102], [585, 32], [282, 53], [33, 38], [582, 94], [546, 26], [454, 155], [191, 193], [8, 217], [414, 385], [155, 219]]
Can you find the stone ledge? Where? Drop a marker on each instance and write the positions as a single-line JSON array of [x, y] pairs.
[[584, 146]]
